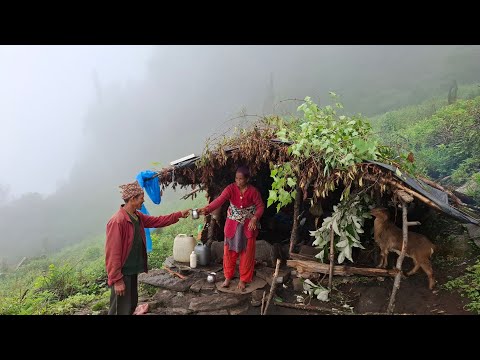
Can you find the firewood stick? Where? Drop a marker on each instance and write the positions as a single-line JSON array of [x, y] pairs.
[[272, 288], [303, 307], [263, 301], [174, 273]]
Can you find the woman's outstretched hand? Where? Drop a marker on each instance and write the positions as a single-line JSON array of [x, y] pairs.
[[202, 211], [185, 213]]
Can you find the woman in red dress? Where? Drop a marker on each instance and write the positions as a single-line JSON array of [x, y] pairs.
[[241, 230]]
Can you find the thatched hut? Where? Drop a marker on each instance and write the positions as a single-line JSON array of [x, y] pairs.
[[260, 150]]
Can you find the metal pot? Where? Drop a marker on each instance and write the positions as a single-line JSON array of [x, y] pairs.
[[212, 277]]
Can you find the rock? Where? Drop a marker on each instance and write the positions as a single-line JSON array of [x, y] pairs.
[[264, 253], [165, 280], [197, 286], [297, 285], [208, 287], [152, 305], [219, 312], [177, 311], [169, 262], [216, 302], [266, 274], [182, 301], [163, 297], [239, 310], [257, 296]]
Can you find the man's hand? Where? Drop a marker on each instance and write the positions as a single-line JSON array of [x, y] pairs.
[[202, 211], [185, 213], [119, 287], [252, 225]]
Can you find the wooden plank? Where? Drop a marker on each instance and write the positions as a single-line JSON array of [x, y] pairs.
[[302, 257], [343, 270]]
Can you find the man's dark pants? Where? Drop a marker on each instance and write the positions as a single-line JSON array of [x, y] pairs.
[[126, 304]]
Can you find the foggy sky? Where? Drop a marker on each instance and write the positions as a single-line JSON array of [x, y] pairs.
[[45, 92], [77, 121]]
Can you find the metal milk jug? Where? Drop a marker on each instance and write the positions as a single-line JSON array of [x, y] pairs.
[[203, 254]]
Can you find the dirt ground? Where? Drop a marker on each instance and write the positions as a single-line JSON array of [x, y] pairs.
[[370, 295], [357, 295]]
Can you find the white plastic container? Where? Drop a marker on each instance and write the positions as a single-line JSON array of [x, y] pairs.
[[183, 246], [193, 260]]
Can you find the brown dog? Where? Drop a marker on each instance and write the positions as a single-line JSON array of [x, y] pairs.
[[390, 238]]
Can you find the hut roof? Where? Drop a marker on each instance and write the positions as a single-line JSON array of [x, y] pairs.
[[265, 149]]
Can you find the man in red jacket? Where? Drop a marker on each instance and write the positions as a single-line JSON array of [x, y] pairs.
[[125, 248]]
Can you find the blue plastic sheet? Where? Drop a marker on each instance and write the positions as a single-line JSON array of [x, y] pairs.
[[152, 187], [148, 234], [150, 184]]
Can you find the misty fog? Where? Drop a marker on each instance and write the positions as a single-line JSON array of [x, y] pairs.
[[77, 121]]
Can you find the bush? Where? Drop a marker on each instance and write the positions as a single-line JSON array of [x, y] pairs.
[[469, 286]]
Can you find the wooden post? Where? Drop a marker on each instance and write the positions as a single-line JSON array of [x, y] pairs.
[[296, 211], [332, 259], [263, 303], [272, 288], [404, 199]]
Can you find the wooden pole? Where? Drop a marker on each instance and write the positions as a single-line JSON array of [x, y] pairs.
[[272, 288], [332, 259], [296, 211], [263, 303], [404, 198]]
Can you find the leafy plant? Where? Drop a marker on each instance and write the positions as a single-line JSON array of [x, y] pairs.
[[325, 147], [469, 286], [347, 222], [315, 290]]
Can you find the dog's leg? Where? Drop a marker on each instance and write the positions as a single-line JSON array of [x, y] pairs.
[[415, 268], [427, 267], [384, 258]]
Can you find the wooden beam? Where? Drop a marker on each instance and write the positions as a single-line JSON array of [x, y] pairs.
[[396, 283], [311, 308], [439, 187], [344, 270], [397, 185], [404, 196], [302, 257]]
